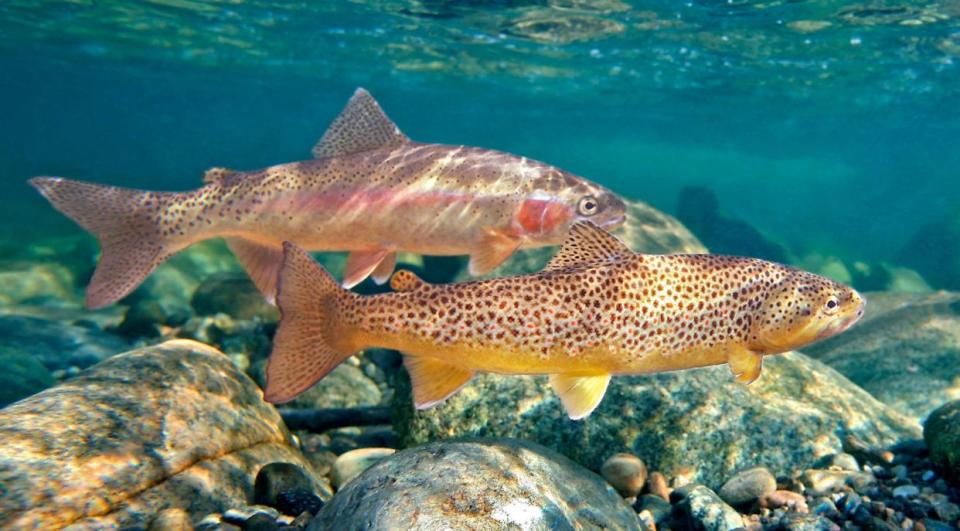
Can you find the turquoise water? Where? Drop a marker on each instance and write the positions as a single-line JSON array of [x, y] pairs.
[[820, 134], [829, 127]]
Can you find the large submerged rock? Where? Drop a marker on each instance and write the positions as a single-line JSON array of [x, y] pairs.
[[906, 352], [476, 484], [170, 426], [698, 420], [942, 434]]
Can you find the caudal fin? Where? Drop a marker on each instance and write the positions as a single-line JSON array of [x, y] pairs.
[[125, 223], [310, 340]]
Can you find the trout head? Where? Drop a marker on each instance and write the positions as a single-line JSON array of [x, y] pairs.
[[803, 308], [559, 200]]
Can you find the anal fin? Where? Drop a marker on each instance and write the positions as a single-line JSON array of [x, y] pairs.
[[495, 247], [580, 395], [745, 365], [434, 381], [360, 264], [262, 262]]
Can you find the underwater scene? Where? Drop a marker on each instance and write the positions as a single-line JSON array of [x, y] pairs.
[[479, 264]]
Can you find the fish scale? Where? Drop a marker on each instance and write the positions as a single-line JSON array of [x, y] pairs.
[[595, 311]]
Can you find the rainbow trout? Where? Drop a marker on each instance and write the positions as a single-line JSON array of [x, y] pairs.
[[596, 310], [369, 190]]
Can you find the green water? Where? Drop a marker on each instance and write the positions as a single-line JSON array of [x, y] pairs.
[[830, 127]]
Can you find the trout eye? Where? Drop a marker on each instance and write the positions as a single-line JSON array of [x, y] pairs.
[[831, 305], [588, 206]]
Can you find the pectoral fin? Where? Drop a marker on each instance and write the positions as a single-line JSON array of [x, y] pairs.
[[580, 395], [360, 264], [434, 381], [383, 271], [495, 247], [262, 263], [745, 365]]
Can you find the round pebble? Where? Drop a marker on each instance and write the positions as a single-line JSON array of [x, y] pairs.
[[296, 502], [626, 473], [748, 486], [845, 461], [350, 464], [906, 491], [276, 478]]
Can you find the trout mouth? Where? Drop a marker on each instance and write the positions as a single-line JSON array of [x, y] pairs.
[[840, 326]]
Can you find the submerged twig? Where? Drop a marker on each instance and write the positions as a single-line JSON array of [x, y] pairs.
[[319, 420]]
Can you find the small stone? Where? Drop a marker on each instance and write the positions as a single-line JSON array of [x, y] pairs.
[[864, 452], [260, 522], [302, 521], [658, 486], [899, 472], [784, 498], [906, 491], [806, 522], [947, 511], [748, 486], [682, 477], [826, 507], [239, 516], [295, 502], [707, 510], [850, 503], [647, 522], [845, 461], [174, 519], [350, 464], [928, 475], [791, 484], [626, 473], [276, 478], [821, 482], [211, 522], [655, 505], [934, 525]]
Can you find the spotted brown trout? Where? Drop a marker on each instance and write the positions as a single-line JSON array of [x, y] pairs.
[[369, 190], [595, 311]]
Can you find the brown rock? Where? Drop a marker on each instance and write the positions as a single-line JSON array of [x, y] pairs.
[[172, 426], [784, 498], [658, 486], [625, 472], [748, 486]]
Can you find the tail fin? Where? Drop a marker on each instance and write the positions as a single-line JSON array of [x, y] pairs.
[[125, 223], [308, 343]]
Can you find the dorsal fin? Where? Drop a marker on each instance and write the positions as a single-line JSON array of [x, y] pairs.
[[361, 126], [404, 280], [215, 175], [587, 243]]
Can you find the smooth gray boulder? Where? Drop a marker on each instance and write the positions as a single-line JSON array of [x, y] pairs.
[[482, 484]]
